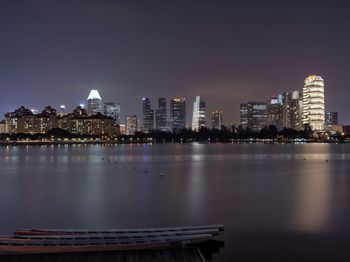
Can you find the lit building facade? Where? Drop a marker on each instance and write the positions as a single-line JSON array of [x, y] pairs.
[[313, 103], [178, 113], [23, 121], [217, 119], [331, 118], [295, 111], [147, 115], [244, 116], [198, 118], [254, 115], [94, 101], [79, 122], [161, 115], [130, 125], [113, 110], [3, 127], [275, 113]]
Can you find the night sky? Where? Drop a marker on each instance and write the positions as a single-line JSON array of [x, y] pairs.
[[229, 52]]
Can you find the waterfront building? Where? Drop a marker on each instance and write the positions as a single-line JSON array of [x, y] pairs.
[[80, 122], [331, 118], [113, 110], [94, 101], [217, 119], [122, 129], [313, 103], [147, 115], [22, 120], [3, 128], [254, 115], [275, 113], [131, 125], [198, 117], [161, 115], [178, 113]]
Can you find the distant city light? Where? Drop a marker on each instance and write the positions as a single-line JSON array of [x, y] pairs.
[[82, 105]]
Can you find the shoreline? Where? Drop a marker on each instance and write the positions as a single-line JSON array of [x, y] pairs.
[[104, 143]]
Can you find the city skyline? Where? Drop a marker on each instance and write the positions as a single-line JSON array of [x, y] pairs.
[[286, 109], [253, 48]]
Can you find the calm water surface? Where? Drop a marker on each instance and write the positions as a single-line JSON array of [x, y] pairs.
[[278, 202]]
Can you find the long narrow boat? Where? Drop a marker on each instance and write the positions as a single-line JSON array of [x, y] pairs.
[[25, 246], [112, 231], [121, 235], [66, 241]]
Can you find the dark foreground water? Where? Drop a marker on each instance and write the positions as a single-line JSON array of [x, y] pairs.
[[278, 202]]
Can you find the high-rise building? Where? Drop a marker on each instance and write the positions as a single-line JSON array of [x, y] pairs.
[[161, 119], [178, 113], [130, 125], [331, 118], [147, 115], [254, 115], [275, 113], [313, 102], [62, 110], [217, 119], [113, 110], [244, 116], [94, 101], [295, 111], [198, 118]]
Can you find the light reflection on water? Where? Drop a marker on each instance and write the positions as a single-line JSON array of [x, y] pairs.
[[249, 188]]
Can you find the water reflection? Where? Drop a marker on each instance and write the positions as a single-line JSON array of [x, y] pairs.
[[246, 187]]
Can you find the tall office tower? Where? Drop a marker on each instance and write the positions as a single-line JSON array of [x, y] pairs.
[[198, 118], [295, 110], [147, 115], [331, 118], [217, 119], [313, 103], [284, 100], [94, 103], [244, 116], [130, 125], [254, 115], [161, 119], [113, 110], [62, 110], [178, 113], [275, 113]]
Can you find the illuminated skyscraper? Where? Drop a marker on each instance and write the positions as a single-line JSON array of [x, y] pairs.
[[178, 113], [313, 103], [130, 125], [113, 110], [198, 118], [147, 115], [275, 113], [94, 103], [161, 119], [331, 118], [254, 115], [217, 119]]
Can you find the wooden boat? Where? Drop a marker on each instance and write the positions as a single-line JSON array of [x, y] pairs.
[[33, 232], [67, 241]]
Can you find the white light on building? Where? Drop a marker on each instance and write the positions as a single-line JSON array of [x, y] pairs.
[[313, 103], [198, 119]]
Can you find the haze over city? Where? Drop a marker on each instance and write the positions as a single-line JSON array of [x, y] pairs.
[[55, 52]]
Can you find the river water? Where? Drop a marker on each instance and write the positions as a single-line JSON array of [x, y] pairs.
[[277, 202]]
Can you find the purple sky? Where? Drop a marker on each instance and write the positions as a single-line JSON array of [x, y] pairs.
[[53, 52]]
